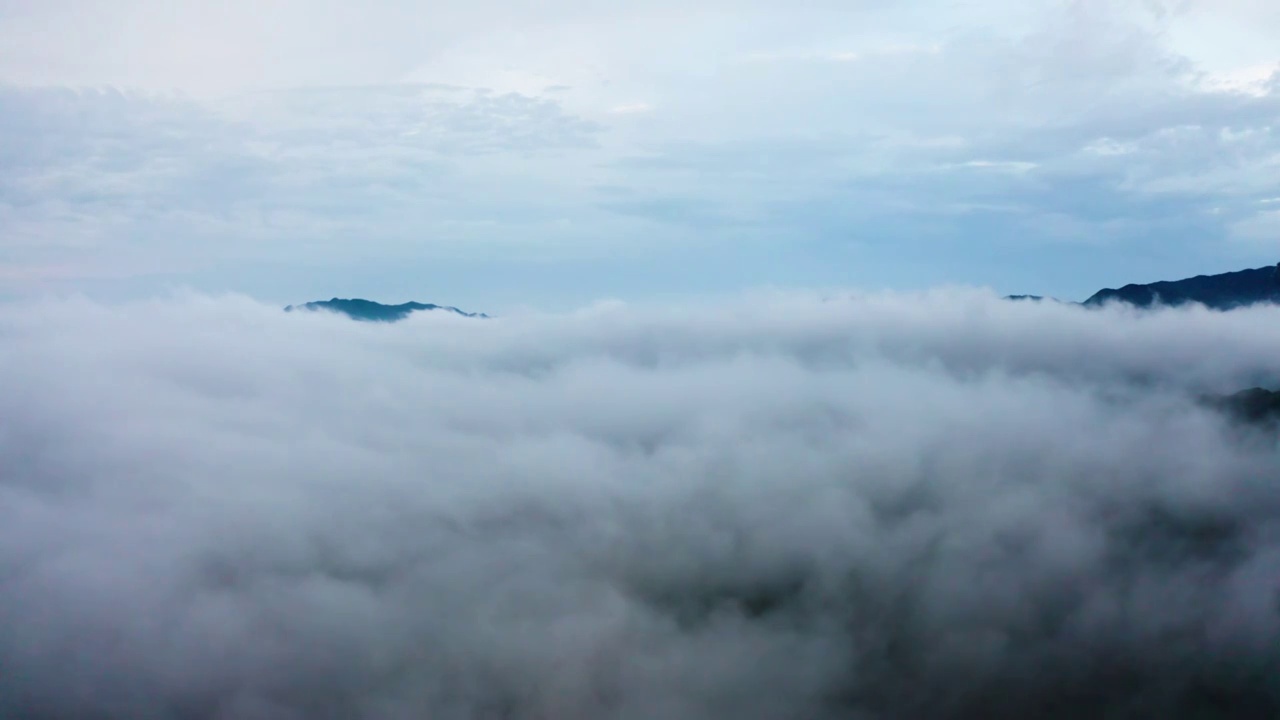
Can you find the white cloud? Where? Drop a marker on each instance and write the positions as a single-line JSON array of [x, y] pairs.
[[1226, 37], [1008, 166], [1107, 146], [779, 507], [631, 109], [1255, 80]]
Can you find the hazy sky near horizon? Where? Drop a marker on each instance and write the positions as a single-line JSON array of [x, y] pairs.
[[494, 153]]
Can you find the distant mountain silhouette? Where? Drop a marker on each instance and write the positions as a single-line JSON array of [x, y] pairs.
[[1257, 406], [1039, 299], [1220, 292], [370, 311]]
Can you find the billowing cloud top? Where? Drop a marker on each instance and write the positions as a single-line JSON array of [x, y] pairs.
[[882, 506], [495, 154]]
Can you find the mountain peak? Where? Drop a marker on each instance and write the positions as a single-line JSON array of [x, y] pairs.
[[1219, 292], [371, 311]]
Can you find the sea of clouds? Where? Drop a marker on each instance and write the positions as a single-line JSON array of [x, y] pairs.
[[874, 507]]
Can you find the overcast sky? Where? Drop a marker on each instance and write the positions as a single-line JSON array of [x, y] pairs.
[[499, 153]]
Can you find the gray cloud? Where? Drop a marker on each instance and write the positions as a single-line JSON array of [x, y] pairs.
[[106, 182], [877, 506], [1117, 135]]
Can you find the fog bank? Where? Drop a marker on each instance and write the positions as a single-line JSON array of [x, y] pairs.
[[940, 505]]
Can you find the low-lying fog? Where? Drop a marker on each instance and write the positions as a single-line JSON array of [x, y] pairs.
[[942, 505]]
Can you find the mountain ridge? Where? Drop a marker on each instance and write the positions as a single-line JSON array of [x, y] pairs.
[[1222, 291]]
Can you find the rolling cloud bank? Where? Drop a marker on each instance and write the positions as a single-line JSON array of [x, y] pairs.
[[940, 505]]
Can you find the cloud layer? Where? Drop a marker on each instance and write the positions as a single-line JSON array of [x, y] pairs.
[[878, 506]]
